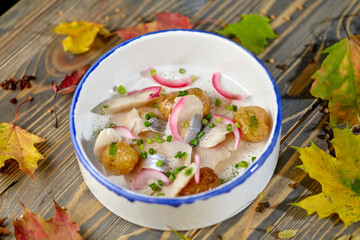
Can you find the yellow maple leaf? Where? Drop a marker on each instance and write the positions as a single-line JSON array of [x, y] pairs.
[[81, 35], [339, 177], [17, 143]]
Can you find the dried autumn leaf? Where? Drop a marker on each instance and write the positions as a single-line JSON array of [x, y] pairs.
[[32, 226], [18, 144], [3, 231], [339, 177], [69, 83], [338, 80], [81, 35], [252, 31], [286, 234], [164, 20]]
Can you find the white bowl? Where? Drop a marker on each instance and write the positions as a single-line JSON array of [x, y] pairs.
[[178, 48]]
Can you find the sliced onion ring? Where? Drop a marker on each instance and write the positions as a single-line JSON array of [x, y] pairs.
[[174, 116], [197, 174], [126, 133], [235, 130], [145, 175], [169, 83], [217, 85], [155, 89]]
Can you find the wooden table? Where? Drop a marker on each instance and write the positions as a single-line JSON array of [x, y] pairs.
[[28, 46]]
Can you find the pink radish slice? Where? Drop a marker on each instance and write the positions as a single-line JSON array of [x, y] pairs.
[[197, 174], [235, 130], [217, 85], [145, 175], [126, 133], [170, 83], [155, 89], [174, 116]]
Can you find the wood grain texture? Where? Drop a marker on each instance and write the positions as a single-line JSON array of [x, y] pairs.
[[29, 46]]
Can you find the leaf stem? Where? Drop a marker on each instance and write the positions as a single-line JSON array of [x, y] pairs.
[[252, 216], [30, 98], [343, 22]]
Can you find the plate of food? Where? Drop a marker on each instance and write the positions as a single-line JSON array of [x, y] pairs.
[[177, 128]]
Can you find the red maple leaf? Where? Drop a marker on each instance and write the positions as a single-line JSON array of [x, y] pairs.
[[164, 21], [70, 82], [34, 227]]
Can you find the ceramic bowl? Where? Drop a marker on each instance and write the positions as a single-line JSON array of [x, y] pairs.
[[179, 48]]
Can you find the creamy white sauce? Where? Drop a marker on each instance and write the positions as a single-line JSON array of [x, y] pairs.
[[246, 150]]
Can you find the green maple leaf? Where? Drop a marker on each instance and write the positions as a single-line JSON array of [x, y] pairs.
[[252, 31], [338, 80], [339, 177]]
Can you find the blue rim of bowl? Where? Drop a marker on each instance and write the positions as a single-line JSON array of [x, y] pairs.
[[175, 202]]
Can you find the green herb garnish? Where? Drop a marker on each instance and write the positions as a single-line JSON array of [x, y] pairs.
[[112, 149], [243, 164], [154, 187], [188, 172], [183, 93], [182, 71], [169, 138], [122, 89]]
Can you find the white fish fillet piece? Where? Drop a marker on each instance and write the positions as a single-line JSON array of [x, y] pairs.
[[181, 180], [213, 157], [127, 102], [134, 122], [213, 136]]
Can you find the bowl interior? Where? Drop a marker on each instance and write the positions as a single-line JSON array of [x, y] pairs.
[[128, 63]]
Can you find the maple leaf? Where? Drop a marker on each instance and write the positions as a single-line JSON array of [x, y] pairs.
[[164, 20], [18, 144], [32, 226], [338, 80], [252, 31], [3, 231], [339, 177], [70, 82], [81, 34]]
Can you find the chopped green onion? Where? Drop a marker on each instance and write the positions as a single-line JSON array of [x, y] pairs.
[[161, 194], [134, 139], [153, 72], [211, 125], [201, 134], [253, 159], [194, 142], [150, 141], [141, 146], [162, 90], [229, 127], [183, 93], [178, 154], [218, 119], [155, 105], [217, 102], [122, 89], [157, 136], [169, 138], [243, 164], [143, 155], [182, 155], [177, 170], [152, 151], [230, 108], [147, 116], [237, 125], [237, 165], [208, 116], [184, 124], [106, 106], [185, 156], [154, 187], [235, 108], [139, 142], [160, 183], [204, 121], [171, 176], [147, 124], [222, 181], [112, 149], [159, 163], [182, 71], [160, 140], [188, 172], [193, 77]]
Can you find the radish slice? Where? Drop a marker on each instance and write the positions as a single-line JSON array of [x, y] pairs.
[[169, 83], [126, 133], [173, 119], [197, 174], [155, 89], [235, 130], [145, 175], [217, 85]]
